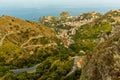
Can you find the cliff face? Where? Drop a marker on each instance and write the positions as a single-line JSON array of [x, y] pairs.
[[104, 62]]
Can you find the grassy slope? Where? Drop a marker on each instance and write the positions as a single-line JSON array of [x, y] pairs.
[[12, 55]]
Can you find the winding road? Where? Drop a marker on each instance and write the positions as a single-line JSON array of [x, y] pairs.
[[28, 70], [74, 68]]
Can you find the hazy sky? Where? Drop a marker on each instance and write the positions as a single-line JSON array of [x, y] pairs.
[[45, 3]]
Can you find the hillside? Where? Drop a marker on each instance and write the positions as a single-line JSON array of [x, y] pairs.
[[60, 48], [104, 62], [20, 40], [8, 23]]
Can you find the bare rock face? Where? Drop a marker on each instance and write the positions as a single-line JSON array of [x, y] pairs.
[[104, 62]]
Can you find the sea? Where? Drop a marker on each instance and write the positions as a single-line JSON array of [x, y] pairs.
[[33, 14]]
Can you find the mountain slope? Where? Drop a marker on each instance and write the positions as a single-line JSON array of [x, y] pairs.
[[104, 62], [19, 40], [24, 44]]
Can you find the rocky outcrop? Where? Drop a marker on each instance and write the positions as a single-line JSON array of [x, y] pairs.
[[104, 62]]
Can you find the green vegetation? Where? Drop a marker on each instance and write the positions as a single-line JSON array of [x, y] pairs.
[[32, 43], [87, 37]]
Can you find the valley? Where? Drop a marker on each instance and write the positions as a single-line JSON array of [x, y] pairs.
[[61, 48]]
